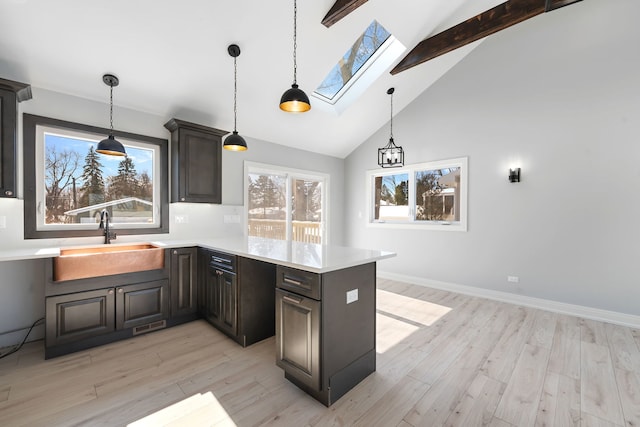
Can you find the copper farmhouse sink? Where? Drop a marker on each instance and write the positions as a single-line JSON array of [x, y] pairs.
[[82, 263]]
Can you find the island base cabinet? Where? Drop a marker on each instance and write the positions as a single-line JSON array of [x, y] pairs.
[[326, 328], [79, 316]]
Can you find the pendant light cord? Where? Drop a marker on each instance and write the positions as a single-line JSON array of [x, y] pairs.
[[235, 94], [295, 41], [111, 109], [391, 121]]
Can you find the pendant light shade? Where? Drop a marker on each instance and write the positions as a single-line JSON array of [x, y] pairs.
[[391, 155], [111, 146], [234, 142], [294, 100]]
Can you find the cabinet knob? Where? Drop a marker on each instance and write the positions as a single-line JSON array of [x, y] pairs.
[[175, 252], [8, 193], [182, 199], [120, 290], [110, 292]]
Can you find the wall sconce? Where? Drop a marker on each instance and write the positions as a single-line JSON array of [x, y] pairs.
[[514, 175]]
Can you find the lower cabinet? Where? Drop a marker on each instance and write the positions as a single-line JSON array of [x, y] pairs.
[[85, 319], [80, 315], [325, 328], [184, 284], [237, 295], [141, 304]]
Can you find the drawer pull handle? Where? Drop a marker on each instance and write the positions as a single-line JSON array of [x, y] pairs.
[[292, 281], [291, 299]]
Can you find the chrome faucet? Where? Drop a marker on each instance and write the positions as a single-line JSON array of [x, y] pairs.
[[104, 224]]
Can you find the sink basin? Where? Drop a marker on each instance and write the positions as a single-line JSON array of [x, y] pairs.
[[82, 263]]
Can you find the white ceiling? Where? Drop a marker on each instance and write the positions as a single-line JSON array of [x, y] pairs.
[[172, 61]]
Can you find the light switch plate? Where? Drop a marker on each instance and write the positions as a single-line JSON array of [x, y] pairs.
[[3, 221], [352, 296]]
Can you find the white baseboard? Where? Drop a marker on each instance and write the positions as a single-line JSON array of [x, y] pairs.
[[623, 319]]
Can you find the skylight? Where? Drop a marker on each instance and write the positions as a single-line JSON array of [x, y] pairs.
[[369, 56]]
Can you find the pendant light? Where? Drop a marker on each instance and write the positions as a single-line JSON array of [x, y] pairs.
[[110, 145], [234, 142], [294, 100], [391, 155]]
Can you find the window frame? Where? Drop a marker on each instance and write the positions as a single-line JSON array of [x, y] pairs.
[[411, 170], [31, 123], [290, 174], [377, 64]]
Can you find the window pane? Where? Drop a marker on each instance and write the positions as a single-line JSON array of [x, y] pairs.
[[353, 59], [307, 211], [267, 206], [79, 183], [392, 197], [438, 195]]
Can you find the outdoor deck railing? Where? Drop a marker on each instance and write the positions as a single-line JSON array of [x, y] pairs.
[[303, 231]]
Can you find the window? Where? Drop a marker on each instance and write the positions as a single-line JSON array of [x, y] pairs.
[[368, 58], [428, 195], [285, 204], [68, 184]]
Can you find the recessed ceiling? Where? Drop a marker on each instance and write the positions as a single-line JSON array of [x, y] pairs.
[[172, 61]]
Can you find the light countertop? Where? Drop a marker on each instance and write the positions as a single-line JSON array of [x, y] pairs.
[[305, 256]]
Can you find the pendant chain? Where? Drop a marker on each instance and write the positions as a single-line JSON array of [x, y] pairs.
[[235, 93]]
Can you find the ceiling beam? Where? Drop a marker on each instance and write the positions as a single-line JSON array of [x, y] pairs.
[[340, 9], [488, 22]]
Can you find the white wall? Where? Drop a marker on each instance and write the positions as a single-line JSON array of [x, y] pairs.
[[22, 282], [560, 96]]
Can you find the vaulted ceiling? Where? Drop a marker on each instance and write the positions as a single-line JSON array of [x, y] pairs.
[[172, 61]]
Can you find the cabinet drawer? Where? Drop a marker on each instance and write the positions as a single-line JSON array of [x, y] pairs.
[[222, 261], [299, 281]]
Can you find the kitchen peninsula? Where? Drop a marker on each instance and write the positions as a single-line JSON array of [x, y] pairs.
[[323, 297]]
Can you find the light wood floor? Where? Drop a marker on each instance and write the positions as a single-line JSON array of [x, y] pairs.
[[443, 359]]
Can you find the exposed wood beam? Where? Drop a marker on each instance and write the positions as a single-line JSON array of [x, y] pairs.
[[488, 22], [340, 9]]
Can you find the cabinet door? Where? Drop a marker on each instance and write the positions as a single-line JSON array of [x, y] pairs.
[[183, 281], [79, 315], [298, 337], [200, 166], [229, 299], [213, 297], [141, 303]]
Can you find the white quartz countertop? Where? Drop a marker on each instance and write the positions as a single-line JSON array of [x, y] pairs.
[[305, 256]]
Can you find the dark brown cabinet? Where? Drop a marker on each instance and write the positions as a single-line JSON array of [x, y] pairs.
[[238, 295], [142, 304], [325, 328], [196, 162], [10, 94], [184, 284], [79, 316]]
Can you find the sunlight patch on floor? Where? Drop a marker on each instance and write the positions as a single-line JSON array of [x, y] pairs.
[[400, 316], [195, 411], [414, 310]]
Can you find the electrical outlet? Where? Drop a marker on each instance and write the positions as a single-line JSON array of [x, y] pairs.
[[513, 279], [352, 296], [3, 221], [181, 219]]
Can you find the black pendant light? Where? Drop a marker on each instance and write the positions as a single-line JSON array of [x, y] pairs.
[[110, 145], [294, 100], [234, 142], [391, 155]]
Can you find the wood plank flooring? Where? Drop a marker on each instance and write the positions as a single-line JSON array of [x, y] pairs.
[[444, 359]]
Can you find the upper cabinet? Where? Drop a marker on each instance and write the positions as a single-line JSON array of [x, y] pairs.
[[10, 94], [196, 162]]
